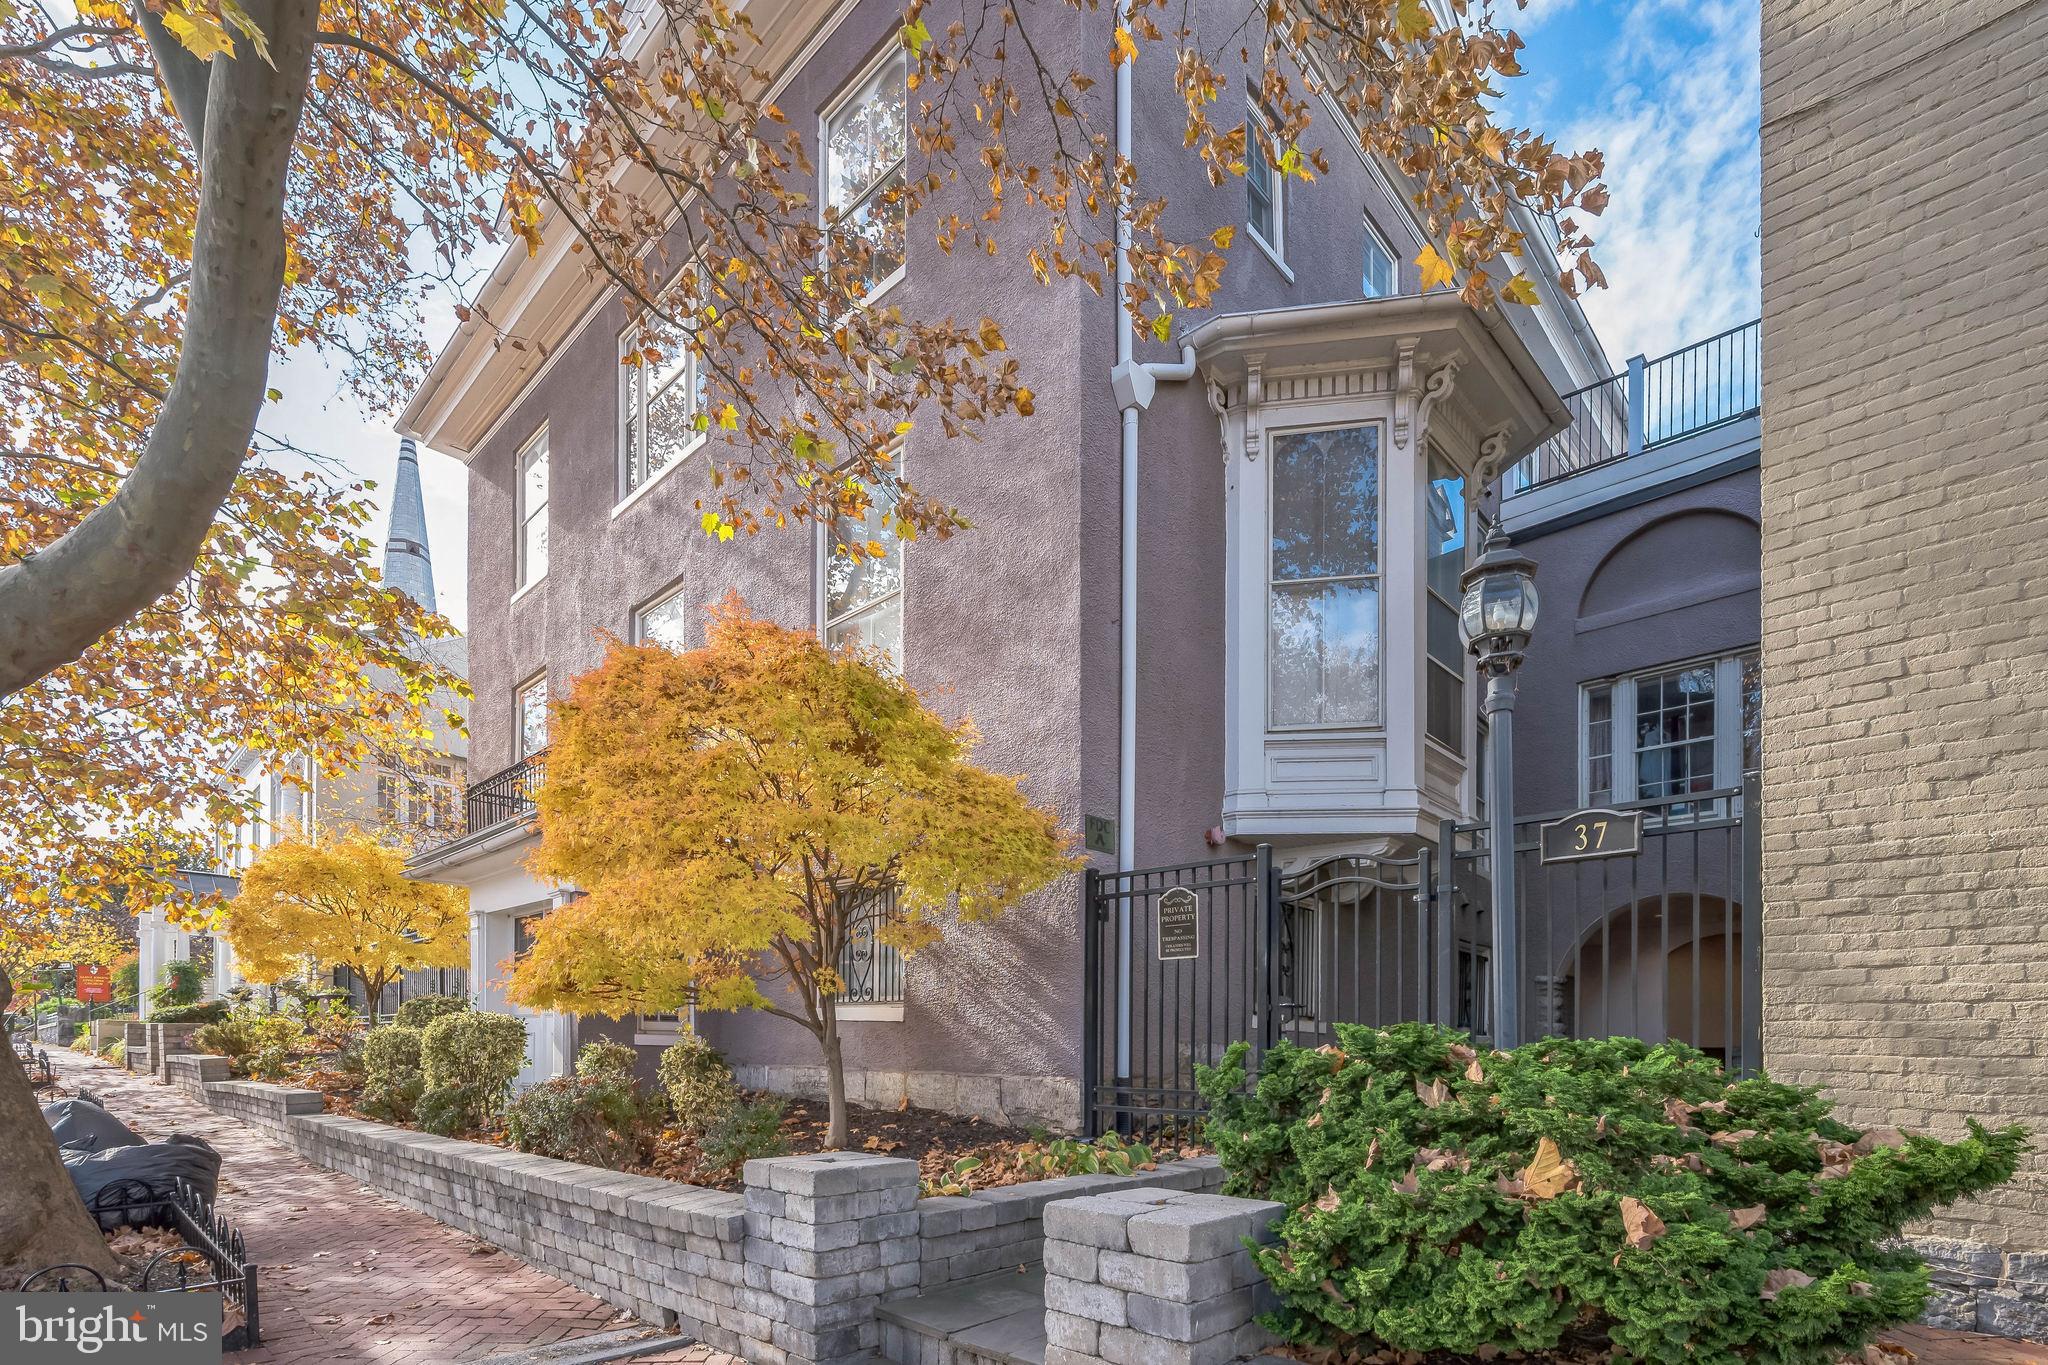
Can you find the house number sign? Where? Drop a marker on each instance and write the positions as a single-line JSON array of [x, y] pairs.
[[1591, 834], [1180, 925]]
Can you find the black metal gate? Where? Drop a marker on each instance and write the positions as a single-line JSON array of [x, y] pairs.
[[1180, 962]]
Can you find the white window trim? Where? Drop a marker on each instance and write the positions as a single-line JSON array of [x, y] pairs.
[[1373, 237], [519, 692], [1275, 251], [832, 107], [650, 1032], [870, 1014], [622, 461], [1622, 725], [636, 629], [519, 513], [1378, 579]]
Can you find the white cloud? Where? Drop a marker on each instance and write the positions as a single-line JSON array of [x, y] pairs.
[[1676, 114]]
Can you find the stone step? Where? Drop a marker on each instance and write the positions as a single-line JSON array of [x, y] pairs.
[[991, 1320]]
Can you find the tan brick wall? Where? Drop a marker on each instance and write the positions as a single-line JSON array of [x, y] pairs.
[[1905, 587]]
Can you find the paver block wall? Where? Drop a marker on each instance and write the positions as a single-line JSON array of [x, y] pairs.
[[135, 1045], [962, 1236], [1141, 1277], [193, 1072], [1905, 428], [167, 1041]]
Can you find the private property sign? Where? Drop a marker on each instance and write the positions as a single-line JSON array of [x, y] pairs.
[[95, 984], [1180, 925]]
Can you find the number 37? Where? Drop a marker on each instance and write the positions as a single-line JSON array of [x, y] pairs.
[[1590, 834]]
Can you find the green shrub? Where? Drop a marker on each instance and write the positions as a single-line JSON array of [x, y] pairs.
[[454, 1110], [743, 1133], [1442, 1200], [330, 1025], [116, 1050], [598, 1116], [698, 1084], [423, 1010], [606, 1059], [349, 1060], [233, 1038], [392, 1081], [477, 1053], [204, 1012], [128, 979]]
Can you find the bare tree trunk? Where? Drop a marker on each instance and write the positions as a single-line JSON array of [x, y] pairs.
[[837, 1130], [43, 1222], [136, 546]]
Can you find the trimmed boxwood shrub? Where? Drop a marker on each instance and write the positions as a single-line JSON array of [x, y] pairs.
[[1574, 1193], [423, 1010], [205, 1012], [392, 1082], [698, 1083], [597, 1116], [469, 1059]]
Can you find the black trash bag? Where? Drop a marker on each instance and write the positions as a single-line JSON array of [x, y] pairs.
[[120, 1177], [85, 1126]]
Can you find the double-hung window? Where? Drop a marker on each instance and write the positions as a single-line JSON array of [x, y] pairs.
[[865, 138], [1265, 200], [532, 498], [1323, 602], [530, 716], [1444, 707], [661, 402], [1672, 732], [1379, 275], [663, 621], [863, 604]]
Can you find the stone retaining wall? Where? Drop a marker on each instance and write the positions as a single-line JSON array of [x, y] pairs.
[[787, 1273], [1051, 1102]]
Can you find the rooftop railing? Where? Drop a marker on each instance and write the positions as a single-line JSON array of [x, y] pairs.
[[1694, 389]]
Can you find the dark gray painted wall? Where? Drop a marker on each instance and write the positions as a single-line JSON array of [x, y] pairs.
[[1657, 583]]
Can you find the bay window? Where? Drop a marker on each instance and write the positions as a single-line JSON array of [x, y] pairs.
[[1323, 605], [1444, 703], [865, 137]]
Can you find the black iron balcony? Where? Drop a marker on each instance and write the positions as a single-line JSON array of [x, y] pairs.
[[506, 795], [1696, 388]]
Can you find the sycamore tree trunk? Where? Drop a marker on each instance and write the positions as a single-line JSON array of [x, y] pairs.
[[242, 115], [43, 1222]]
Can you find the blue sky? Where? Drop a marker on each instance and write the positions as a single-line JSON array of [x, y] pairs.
[[1668, 89]]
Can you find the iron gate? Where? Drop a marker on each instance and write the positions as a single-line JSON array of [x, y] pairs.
[[1180, 962]]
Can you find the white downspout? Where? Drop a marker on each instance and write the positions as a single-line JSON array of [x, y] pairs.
[[1134, 385]]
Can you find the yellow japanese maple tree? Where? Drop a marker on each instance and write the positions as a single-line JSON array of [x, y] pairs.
[[731, 814], [343, 902]]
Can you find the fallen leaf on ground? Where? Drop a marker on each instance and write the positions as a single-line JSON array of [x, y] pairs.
[[1548, 1173], [1745, 1219], [1433, 1094], [1784, 1277]]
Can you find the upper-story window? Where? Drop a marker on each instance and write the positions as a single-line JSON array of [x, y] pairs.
[[1323, 603], [1379, 277], [863, 604], [532, 496], [1444, 705], [865, 140], [663, 621], [660, 402], [1265, 200], [1672, 732], [530, 716]]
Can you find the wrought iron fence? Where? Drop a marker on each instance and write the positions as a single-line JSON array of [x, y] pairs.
[[871, 970], [1693, 389], [214, 1258], [506, 795]]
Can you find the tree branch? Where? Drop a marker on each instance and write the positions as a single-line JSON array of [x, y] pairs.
[[185, 76], [138, 545]]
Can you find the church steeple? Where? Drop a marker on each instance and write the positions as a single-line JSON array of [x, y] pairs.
[[408, 564]]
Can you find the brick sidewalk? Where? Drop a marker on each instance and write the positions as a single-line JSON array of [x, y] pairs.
[[348, 1275]]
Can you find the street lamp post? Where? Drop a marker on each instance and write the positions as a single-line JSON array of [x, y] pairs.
[[1497, 618]]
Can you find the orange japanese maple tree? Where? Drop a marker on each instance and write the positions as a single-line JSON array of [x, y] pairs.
[[736, 815]]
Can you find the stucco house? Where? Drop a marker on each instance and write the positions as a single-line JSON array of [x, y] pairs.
[[1208, 603]]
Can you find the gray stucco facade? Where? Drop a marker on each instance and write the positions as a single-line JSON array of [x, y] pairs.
[[1014, 622]]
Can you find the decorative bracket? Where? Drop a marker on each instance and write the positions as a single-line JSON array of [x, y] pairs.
[[1405, 393], [1493, 458], [1254, 395]]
